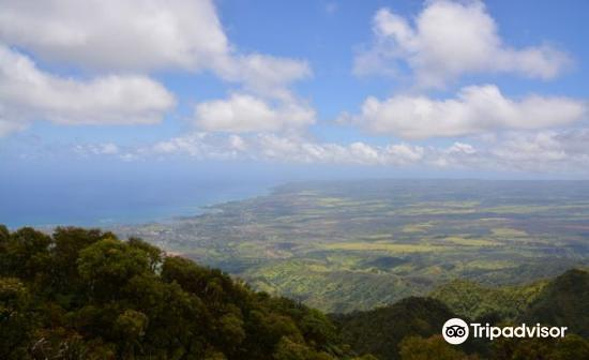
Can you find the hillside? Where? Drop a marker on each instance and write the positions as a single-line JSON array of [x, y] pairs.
[[469, 299], [409, 329], [563, 302], [380, 331], [84, 294]]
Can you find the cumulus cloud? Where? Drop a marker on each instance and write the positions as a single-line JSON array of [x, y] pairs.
[[117, 34], [276, 148], [97, 149], [136, 37], [246, 113], [547, 151], [27, 93], [540, 148], [9, 126], [266, 75], [475, 109], [449, 39], [562, 152], [140, 36]]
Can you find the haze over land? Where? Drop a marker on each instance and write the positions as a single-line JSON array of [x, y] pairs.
[[354, 245]]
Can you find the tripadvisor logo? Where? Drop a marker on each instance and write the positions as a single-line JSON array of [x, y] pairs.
[[456, 331]]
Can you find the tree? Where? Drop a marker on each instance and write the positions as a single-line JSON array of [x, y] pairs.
[[154, 254], [4, 234], [27, 254], [108, 265], [16, 321], [435, 347]]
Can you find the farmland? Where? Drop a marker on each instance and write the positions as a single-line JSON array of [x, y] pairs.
[[355, 245]]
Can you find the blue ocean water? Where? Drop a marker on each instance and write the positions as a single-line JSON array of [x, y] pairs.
[[91, 192], [109, 198], [116, 205]]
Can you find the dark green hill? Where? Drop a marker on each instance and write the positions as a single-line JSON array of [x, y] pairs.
[[563, 302], [410, 328], [380, 331]]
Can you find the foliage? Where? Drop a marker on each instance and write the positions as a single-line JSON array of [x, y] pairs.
[[469, 299], [380, 331], [84, 294], [570, 347], [435, 347], [563, 302], [410, 329]]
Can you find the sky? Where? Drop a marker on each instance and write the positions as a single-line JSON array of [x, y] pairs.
[[494, 89]]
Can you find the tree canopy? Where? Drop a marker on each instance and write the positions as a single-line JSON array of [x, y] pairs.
[[84, 294]]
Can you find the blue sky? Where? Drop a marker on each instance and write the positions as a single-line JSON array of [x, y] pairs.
[[398, 88]]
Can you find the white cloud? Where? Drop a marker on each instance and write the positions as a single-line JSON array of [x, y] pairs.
[[237, 143], [8, 126], [292, 149], [266, 75], [286, 149], [265, 105], [562, 152], [246, 113], [476, 109], [109, 149], [117, 34], [97, 149], [449, 39], [140, 36], [193, 145], [559, 152], [27, 93], [136, 36], [539, 148], [404, 153]]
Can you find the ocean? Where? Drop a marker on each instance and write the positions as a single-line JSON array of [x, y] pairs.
[[42, 202]]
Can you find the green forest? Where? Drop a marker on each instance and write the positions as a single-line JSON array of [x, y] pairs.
[[85, 294]]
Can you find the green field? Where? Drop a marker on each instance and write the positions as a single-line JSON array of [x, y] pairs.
[[343, 246]]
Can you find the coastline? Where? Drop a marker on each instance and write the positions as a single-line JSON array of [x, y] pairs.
[[131, 215]]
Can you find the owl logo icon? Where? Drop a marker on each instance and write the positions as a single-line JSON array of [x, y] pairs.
[[455, 331]]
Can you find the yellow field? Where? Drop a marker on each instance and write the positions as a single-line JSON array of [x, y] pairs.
[[379, 246], [470, 242], [508, 233]]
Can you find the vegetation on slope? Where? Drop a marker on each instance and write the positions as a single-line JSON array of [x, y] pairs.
[[563, 302], [410, 328], [380, 331], [469, 299], [84, 294]]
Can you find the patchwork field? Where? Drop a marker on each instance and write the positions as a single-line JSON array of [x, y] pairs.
[[343, 246]]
